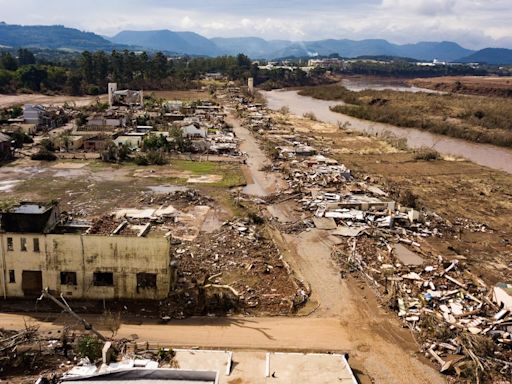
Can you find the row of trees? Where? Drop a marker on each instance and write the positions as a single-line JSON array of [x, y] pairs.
[[89, 72], [400, 68]]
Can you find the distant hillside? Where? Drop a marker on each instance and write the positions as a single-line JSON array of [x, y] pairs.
[[54, 36], [445, 51], [166, 40], [60, 37], [493, 56], [254, 47], [259, 48]]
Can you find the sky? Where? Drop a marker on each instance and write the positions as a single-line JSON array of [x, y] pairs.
[[474, 24]]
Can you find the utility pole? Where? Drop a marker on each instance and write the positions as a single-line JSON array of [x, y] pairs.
[[65, 306]]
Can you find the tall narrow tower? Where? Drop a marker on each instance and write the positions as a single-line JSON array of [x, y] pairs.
[[112, 87], [250, 85]]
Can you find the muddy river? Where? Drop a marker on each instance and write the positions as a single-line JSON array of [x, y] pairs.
[[484, 154]]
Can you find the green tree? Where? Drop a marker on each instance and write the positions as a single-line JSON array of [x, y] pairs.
[[6, 81], [8, 62], [32, 76], [25, 57], [74, 83]]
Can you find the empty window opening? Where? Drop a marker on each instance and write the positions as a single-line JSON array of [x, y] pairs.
[[146, 281], [103, 279], [12, 276], [36, 245], [10, 244], [23, 244], [68, 278]]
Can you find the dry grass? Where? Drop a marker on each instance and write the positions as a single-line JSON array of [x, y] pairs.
[[478, 119]]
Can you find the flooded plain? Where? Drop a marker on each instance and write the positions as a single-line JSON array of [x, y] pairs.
[[491, 156]]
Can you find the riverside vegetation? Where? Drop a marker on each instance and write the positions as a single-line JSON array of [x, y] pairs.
[[473, 118]]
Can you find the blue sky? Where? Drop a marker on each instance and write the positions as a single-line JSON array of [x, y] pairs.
[[472, 23]]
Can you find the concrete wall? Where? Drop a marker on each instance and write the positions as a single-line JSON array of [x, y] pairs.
[[86, 254]]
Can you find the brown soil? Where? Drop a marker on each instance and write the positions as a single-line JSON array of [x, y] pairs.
[[469, 196], [35, 98]]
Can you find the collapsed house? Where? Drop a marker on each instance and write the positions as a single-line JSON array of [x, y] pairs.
[[39, 249], [124, 97], [43, 118]]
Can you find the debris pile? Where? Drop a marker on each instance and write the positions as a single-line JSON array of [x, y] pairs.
[[235, 267], [463, 324], [29, 352]]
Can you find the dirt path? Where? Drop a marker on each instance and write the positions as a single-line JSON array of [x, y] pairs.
[[260, 183], [385, 362], [346, 315]]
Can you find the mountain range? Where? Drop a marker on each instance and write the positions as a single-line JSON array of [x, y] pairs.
[[191, 43]]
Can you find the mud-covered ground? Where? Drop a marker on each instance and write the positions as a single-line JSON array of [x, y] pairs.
[[475, 199]]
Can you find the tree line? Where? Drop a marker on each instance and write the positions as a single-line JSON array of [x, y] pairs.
[[89, 72]]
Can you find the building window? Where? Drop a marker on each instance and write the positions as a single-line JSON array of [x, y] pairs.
[[23, 244], [103, 279], [36, 245], [146, 281], [12, 276], [68, 278], [10, 244]]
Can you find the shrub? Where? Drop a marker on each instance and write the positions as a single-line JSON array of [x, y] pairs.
[[90, 347], [151, 158], [48, 145], [44, 154], [21, 138], [141, 160], [408, 199], [427, 154], [310, 116]]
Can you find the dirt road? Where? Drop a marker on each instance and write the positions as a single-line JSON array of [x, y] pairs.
[[346, 315], [259, 183]]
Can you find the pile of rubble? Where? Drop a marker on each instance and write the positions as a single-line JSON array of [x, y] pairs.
[[233, 268], [463, 324], [29, 352]]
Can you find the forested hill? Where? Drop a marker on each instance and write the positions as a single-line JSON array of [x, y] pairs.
[[52, 36]]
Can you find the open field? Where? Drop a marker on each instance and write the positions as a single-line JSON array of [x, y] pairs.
[[469, 85], [35, 98], [93, 187], [477, 119], [80, 101]]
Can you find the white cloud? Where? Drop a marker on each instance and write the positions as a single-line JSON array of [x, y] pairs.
[[473, 23]]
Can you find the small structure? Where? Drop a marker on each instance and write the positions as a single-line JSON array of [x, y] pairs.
[[103, 123], [6, 152], [194, 131], [124, 97], [30, 217], [97, 143], [43, 117], [33, 114], [132, 139]]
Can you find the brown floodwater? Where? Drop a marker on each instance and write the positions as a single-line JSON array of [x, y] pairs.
[[483, 154]]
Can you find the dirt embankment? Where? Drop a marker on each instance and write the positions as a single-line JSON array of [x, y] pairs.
[[468, 85]]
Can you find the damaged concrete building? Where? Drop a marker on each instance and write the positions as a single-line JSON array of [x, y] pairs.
[[39, 250]]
